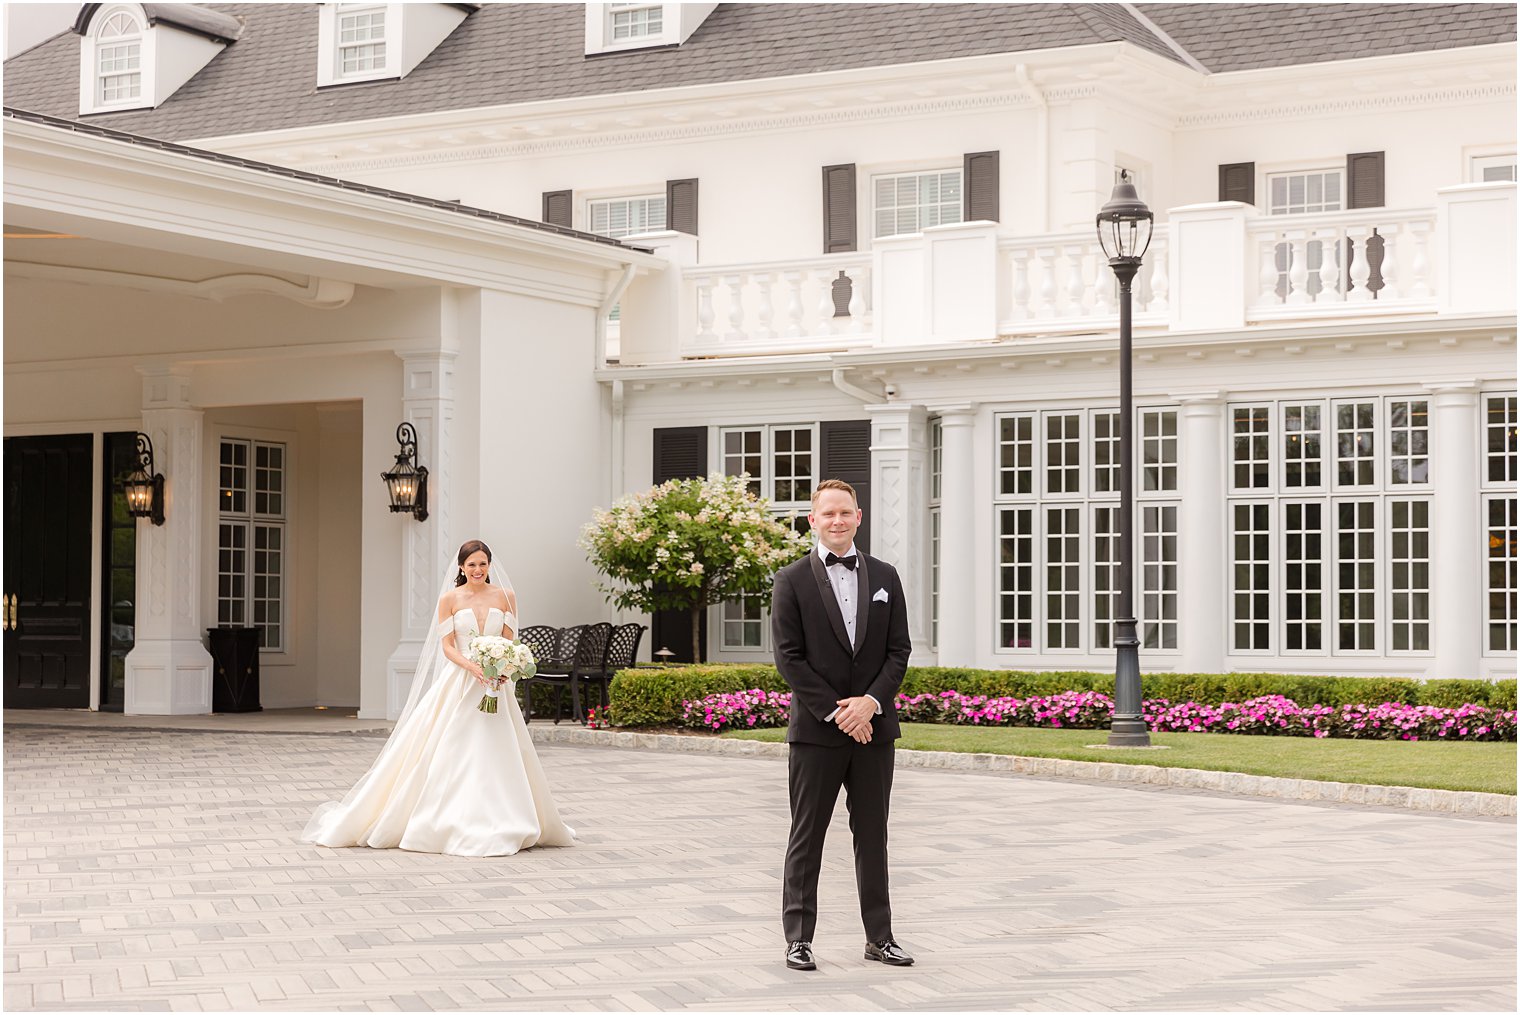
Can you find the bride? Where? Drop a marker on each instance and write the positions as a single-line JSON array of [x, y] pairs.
[[451, 778]]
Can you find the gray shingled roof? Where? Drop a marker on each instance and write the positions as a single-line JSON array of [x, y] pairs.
[[1230, 37], [508, 53], [454, 207]]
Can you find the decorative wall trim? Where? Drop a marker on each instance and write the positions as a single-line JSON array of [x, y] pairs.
[[321, 293], [453, 151], [1346, 106]]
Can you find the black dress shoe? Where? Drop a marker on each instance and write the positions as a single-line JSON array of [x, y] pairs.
[[799, 955], [889, 952]]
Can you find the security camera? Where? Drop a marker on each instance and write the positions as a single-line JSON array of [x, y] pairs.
[[890, 389]]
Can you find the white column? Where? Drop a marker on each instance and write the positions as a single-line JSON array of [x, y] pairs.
[[168, 671], [899, 504], [957, 542], [1201, 594], [1456, 549], [427, 402]]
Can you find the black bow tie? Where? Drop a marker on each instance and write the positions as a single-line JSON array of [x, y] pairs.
[[848, 562]]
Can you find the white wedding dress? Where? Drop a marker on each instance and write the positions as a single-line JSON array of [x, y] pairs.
[[451, 778]]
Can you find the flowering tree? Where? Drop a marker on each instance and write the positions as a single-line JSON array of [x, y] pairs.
[[688, 544]]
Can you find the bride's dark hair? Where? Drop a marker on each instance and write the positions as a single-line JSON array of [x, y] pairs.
[[471, 546]]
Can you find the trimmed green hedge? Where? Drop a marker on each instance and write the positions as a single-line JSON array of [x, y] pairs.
[[652, 696]]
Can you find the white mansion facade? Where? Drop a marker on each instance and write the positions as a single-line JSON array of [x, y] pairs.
[[584, 248]]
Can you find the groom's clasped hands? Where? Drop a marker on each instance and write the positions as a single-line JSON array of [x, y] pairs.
[[854, 717]]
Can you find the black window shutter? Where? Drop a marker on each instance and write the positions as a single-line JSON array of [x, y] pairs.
[[838, 208], [847, 456], [1238, 182], [980, 192], [680, 452], [558, 208], [1364, 180], [681, 206]]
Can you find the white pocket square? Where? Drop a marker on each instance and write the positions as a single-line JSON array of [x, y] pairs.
[[880, 597]]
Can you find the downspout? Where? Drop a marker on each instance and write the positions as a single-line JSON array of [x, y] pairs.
[[1042, 144]]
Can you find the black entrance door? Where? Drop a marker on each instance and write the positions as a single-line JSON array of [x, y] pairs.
[[48, 484]]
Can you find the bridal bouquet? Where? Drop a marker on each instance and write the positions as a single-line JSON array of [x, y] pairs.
[[503, 661]]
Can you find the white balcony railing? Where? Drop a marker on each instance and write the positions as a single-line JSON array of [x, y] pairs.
[[1063, 283], [1372, 260], [817, 305], [1210, 268]]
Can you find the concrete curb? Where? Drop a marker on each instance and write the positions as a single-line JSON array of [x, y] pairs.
[[1439, 801]]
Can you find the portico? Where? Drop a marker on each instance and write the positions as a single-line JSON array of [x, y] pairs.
[[268, 331]]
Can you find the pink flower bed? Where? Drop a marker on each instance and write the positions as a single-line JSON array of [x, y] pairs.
[[1272, 715]]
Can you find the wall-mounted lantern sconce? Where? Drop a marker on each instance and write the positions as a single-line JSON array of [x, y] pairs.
[[407, 481], [144, 488]]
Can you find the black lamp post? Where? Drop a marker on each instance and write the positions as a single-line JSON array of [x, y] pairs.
[[144, 488], [406, 480], [1124, 232]]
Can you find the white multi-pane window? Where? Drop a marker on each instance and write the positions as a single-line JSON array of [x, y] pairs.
[[1356, 576], [626, 216], [1250, 576], [1329, 526], [1058, 529], [1500, 579], [1158, 576], [1355, 443], [1303, 436], [1250, 442], [1063, 578], [1499, 522], [1105, 568], [912, 202], [1408, 441], [1303, 193], [781, 462], [1105, 452], [1492, 168], [252, 555], [1303, 553], [118, 60], [627, 22], [1158, 449], [1409, 560], [936, 484], [361, 39]]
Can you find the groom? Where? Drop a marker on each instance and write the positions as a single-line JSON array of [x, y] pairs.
[[839, 621]]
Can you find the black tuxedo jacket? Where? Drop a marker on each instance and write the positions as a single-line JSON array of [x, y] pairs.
[[814, 654]]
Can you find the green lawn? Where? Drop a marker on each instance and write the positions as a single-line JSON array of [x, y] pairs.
[[1486, 767]]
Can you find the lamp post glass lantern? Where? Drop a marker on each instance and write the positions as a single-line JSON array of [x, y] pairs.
[[406, 480], [1124, 232], [144, 488]]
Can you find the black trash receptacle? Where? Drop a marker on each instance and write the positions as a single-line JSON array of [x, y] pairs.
[[235, 669]]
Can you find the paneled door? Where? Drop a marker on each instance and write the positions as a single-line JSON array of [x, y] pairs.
[[48, 485]]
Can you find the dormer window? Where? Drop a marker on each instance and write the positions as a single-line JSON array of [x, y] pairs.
[[380, 42], [361, 40], [135, 56], [118, 60], [634, 21], [614, 28]]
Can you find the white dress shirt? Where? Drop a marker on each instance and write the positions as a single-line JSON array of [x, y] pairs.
[[842, 580]]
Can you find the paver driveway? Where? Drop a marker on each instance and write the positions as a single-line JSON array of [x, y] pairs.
[[152, 870]]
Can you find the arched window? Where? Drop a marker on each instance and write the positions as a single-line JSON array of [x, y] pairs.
[[118, 60]]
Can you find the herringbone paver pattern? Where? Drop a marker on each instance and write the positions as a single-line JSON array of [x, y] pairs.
[[160, 870]]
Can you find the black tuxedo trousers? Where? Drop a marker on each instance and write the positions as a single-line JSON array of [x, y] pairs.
[[821, 665]]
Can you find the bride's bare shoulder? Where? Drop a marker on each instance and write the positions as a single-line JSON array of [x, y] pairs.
[[446, 605], [506, 600]]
